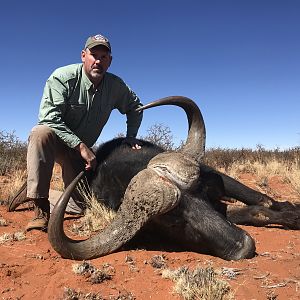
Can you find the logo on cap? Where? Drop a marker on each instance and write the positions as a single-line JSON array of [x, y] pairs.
[[100, 37]]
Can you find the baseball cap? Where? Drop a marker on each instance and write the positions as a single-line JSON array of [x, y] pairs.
[[97, 40]]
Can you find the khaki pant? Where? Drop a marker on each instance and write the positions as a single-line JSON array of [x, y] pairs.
[[44, 149]]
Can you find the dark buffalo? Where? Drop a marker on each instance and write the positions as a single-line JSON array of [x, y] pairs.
[[173, 192]]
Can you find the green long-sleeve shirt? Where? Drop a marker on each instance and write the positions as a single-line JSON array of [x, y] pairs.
[[77, 113]]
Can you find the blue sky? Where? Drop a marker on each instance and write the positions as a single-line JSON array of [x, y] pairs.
[[238, 60]]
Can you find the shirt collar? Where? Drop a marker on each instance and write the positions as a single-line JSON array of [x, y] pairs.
[[88, 84]]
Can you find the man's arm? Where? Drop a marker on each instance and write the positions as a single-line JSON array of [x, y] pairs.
[[134, 118], [127, 104], [53, 108]]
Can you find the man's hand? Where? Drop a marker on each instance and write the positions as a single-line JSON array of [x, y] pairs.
[[134, 143], [88, 155]]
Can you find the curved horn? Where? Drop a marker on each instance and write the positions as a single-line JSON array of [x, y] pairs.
[[135, 210], [56, 234], [195, 143]]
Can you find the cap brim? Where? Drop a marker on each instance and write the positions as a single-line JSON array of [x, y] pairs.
[[92, 45]]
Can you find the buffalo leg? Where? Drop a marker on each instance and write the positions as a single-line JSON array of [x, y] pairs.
[[237, 190], [261, 216]]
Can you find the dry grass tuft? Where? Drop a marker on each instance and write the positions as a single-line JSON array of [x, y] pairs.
[[15, 182], [198, 284], [93, 274], [12, 237], [158, 261], [97, 216], [292, 175], [72, 294], [83, 268], [3, 202], [3, 222]]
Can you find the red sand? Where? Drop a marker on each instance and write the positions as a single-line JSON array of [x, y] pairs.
[[31, 269]]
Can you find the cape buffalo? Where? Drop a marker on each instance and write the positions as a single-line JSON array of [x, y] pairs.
[[172, 191]]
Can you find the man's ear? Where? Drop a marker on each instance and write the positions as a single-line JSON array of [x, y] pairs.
[[83, 53]]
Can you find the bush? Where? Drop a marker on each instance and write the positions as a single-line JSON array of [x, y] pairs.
[[221, 158], [160, 135], [12, 153]]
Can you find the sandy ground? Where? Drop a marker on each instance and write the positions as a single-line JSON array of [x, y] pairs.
[[31, 269]]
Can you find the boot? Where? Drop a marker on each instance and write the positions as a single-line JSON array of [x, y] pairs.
[[41, 215]]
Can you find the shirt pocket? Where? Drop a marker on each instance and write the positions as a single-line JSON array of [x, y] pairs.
[[75, 115]]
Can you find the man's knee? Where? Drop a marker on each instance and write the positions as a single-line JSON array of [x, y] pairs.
[[42, 134]]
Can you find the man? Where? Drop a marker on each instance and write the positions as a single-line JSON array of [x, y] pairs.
[[75, 106]]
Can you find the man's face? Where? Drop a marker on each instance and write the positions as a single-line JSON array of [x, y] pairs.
[[96, 61]]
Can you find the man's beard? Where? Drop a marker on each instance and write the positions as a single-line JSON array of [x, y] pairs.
[[97, 72]]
